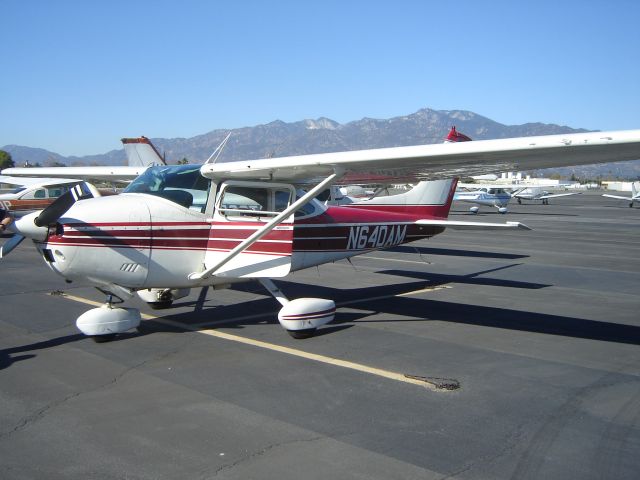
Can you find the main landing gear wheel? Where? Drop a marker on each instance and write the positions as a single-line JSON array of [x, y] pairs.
[[302, 334], [160, 305], [104, 338]]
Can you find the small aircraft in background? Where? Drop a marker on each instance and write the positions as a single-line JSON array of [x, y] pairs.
[[497, 197], [635, 195], [141, 154], [31, 194], [538, 193]]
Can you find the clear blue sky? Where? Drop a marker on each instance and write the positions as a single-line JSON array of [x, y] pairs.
[[79, 75]]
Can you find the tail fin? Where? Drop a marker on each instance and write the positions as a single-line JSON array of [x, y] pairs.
[[634, 189], [428, 199], [455, 136], [141, 152]]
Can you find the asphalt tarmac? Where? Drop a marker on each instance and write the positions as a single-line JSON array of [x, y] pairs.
[[522, 351]]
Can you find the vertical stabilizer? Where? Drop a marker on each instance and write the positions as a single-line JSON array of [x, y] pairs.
[[141, 152], [428, 199]]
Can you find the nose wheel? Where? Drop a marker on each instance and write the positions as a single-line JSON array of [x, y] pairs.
[[104, 323]]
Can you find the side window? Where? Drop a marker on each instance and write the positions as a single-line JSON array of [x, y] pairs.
[[254, 201], [241, 200], [55, 191], [281, 200], [40, 193]]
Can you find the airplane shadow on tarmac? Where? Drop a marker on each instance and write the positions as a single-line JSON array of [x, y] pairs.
[[385, 299], [455, 252]]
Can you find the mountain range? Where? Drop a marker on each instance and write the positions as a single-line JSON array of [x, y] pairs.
[[278, 139]]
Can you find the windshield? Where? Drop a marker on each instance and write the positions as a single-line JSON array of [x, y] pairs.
[[18, 190], [311, 209], [181, 184]]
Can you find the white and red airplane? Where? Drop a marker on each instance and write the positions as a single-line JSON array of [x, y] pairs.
[[179, 227]]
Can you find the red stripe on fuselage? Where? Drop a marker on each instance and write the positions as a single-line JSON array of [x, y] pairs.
[[349, 228]]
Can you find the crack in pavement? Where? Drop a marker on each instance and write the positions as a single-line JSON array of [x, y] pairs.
[[39, 414], [260, 453]]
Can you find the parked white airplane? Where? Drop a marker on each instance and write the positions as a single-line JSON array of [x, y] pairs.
[[485, 196], [537, 193], [140, 155], [174, 227], [635, 195], [31, 194]]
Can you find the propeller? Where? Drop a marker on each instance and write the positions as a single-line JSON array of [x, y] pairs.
[[35, 225], [60, 205], [10, 244]]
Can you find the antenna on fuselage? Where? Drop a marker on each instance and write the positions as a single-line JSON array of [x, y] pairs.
[[216, 153]]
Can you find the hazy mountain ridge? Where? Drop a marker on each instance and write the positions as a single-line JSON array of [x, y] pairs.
[[278, 138]]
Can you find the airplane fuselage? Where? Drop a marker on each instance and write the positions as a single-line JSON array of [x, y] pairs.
[[143, 241]]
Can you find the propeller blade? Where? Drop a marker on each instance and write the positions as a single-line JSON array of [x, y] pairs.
[[59, 207], [10, 244]]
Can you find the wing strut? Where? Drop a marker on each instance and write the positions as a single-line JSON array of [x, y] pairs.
[[277, 220]]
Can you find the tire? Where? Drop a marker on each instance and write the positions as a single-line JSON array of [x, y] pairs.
[[302, 334], [104, 338], [160, 305]]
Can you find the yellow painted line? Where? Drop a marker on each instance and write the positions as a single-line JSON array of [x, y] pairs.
[[279, 348], [423, 290]]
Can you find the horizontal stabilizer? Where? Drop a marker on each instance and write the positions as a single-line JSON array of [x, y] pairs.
[[472, 225]]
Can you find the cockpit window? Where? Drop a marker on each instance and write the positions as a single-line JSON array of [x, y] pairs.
[[18, 190], [182, 184]]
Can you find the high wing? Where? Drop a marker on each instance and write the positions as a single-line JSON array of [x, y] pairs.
[[635, 193], [27, 181], [439, 160], [79, 173], [555, 195], [619, 197], [140, 152]]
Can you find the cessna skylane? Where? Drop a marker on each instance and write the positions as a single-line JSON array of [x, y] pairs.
[[186, 226]]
